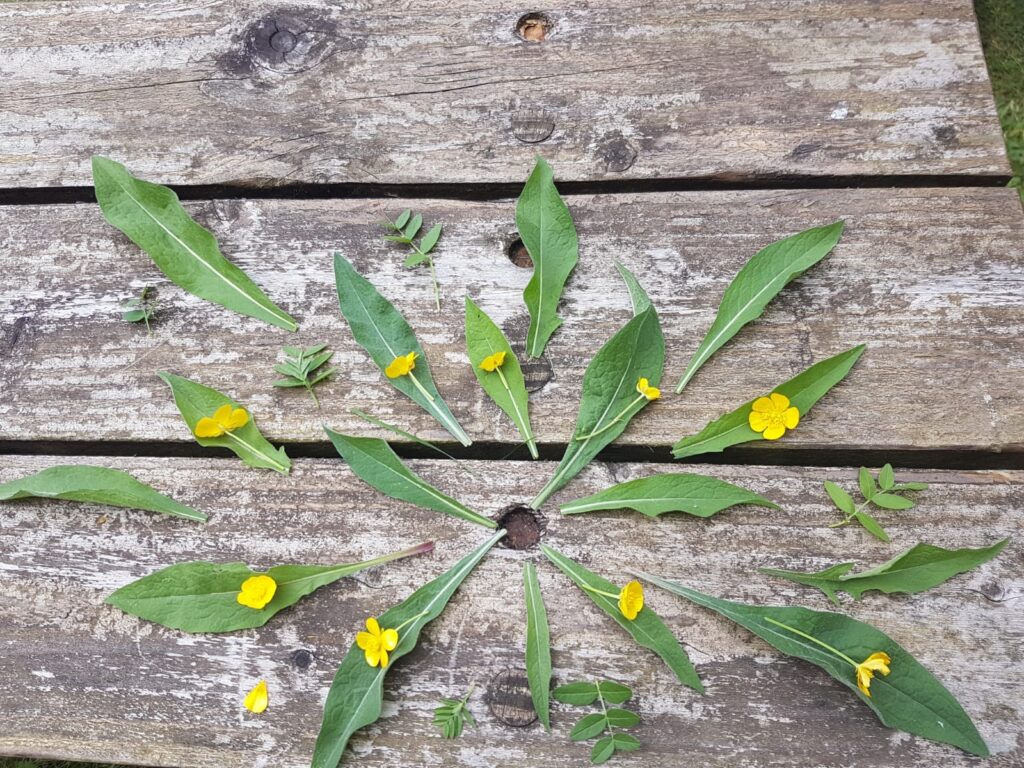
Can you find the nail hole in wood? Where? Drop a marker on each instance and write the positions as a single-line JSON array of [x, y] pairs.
[[518, 254], [533, 27], [301, 658], [522, 525], [508, 698]]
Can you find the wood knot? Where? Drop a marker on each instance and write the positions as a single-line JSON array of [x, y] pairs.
[[508, 698], [536, 371], [619, 155], [301, 658], [532, 126], [517, 253], [523, 527], [289, 44], [533, 27]]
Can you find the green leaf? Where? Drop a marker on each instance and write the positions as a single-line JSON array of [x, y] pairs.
[[95, 485], [891, 501], [909, 698], [577, 694], [803, 391], [195, 401], [916, 570], [430, 239], [602, 751], [152, 218], [538, 646], [622, 718], [505, 385], [356, 694], [626, 742], [377, 465], [382, 331], [546, 228], [669, 492], [413, 227], [134, 315], [588, 727], [415, 259], [867, 483], [614, 693], [758, 282], [452, 714], [909, 487], [840, 498], [609, 399], [202, 597], [647, 628], [403, 218], [398, 431], [637, 295], [871, 525], [886, 478]]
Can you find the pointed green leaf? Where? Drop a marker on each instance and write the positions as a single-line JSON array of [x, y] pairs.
[[669, 492], [546, 228], [376, 464], [430, 239], [614, 693], [398, 431], [202, 597], [886, 478], [195, 401], [803, 391], [622, 718], [134, 315], [637, 295], [413, 227], [588, 727], [871, 525], [609, 398], [909, 487], [577, 694], [758, 282], [505, 385], [866, 483], [909, 698], [415, 259], [538, 646], [356, 694], [840, 498], [381, 330], [603, 750], [647, 628], [626, 742], [891, 501], [95, 485], [403, 218], [916, 570], [152, 218]]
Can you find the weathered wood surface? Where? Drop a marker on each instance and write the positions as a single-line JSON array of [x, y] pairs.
[[264, 93], [929, 279], [79, 679]]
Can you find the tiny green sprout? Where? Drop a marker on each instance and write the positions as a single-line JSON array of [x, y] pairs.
[[405, 229], [301, 366], [883, 493], [451, 715], [604, 692], [140, 308]]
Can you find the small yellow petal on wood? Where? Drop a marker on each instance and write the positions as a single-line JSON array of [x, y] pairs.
[[257, 700]]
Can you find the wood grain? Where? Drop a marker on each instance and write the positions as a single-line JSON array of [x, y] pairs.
[[929, 279], [262, 93], [82, 680]]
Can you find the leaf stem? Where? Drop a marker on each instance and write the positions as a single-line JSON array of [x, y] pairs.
[[420, 387], [598, 591], [410, 620], [815, 640]]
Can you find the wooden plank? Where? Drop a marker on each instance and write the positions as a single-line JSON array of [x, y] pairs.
[[929, 279], [251, 92], [82, 680]]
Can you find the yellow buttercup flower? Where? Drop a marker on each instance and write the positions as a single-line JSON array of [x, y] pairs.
[[493, 362], [401, 366], [772, 416], [876, 662], [225, 419], [644, 388], [257, 700], [376, 644], [631, 600], [257, 591]]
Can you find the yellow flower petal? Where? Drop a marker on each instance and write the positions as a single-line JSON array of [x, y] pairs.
[[207, 427], [389, 639], [257, 591], [373, 627], [642, 385], [762, 405], [372, 656], [258, 698], [401, 366], [383, 658], [864, 681], [238, 418], [652, 393], [774, 432], [493, 362], [365, 641], [631, 600], [759, 422], [222, 414], [791, 417], [779, 402]]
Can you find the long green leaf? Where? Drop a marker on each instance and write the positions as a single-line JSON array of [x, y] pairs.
[[381, 330], [803, 391], [356, 694], [669, 492], [909, 698], [637, 295], [96, 485], [647, 629], [195, 401], [376, 464], [916, 570], [546, 228], [758, 282], [538, 646], [505, 386], [202, 597], [153, 218], [609, 398]]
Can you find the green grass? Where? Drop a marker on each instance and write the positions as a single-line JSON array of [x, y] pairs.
[[1002, 35]]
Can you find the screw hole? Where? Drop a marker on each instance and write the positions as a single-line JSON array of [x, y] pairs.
[[518, 254], [522, 525], [533, 27]]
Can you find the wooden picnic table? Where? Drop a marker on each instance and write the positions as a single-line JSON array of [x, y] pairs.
[[686, 136]]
